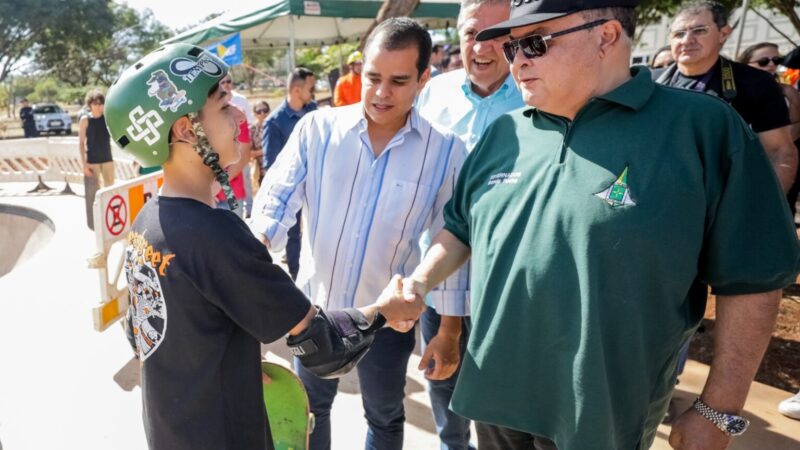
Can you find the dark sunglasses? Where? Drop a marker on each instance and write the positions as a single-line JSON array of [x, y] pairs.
[[764, 62], [262, 111], [225, 82], [535, 45]]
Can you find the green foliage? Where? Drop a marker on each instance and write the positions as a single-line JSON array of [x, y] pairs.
[[46, 90], [322, 61], [651, 11], [23, 86], [132, 35], [30, 27]]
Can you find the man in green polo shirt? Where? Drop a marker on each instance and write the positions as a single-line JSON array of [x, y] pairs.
[[594, 220]]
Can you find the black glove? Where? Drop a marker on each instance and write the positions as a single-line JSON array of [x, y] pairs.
[[334, 342]]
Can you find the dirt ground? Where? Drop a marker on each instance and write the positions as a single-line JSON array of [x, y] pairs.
[[781, 365]]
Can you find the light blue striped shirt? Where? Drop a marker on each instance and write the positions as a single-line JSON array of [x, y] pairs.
[[448, 101], [362, 216]]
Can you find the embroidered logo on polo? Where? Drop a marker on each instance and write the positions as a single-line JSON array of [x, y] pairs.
[[148, 311], [504, 178], [162, 88], [189, 69], [618, 194]]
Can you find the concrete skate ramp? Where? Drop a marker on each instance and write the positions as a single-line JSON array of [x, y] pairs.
[[23, 232]]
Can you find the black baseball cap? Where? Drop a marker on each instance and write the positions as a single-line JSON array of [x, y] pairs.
[[528, 12]]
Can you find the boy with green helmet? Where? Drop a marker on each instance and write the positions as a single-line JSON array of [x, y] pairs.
[[199, 269]]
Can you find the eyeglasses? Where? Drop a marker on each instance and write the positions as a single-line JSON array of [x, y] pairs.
[[262, 111], [679, 35], [226, 82], [535, 45], [764, 62]]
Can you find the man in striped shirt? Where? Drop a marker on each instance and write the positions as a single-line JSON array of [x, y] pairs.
[[372, 178]]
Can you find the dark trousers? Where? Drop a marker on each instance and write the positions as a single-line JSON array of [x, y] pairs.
[[493, 437], [382, 376], [453, 430], [295, 235], [30, 130]]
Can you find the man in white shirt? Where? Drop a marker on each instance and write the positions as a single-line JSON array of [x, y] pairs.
[[371, 178]]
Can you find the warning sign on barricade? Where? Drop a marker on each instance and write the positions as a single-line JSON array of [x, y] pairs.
[[115, 209]]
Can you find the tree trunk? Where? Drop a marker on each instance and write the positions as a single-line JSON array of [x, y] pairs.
[[389, 9], [786, 7]]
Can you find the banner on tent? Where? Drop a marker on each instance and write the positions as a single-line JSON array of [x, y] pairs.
[[229, 50]]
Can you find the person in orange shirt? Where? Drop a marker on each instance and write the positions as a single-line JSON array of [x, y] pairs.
[[348, 88]]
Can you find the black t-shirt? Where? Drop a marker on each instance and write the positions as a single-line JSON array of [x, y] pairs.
[[203, 293], [759, 98]]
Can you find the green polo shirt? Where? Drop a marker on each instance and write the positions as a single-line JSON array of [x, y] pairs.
[[587, 239]]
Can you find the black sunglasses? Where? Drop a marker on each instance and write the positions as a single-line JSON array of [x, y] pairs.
[[262, 111], [764, 62], [535, 45]]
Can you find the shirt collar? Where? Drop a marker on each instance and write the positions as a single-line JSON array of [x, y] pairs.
[[354, 116], [505, 90], [290, 112], [634, 93]]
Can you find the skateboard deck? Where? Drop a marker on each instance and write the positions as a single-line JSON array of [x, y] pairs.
[[290, 419]]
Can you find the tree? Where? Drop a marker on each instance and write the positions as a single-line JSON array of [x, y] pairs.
[[389, 9], [651, 11], [29, 26], [132, 35], [785, 7]]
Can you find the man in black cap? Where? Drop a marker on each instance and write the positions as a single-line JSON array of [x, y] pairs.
[[593, 220]]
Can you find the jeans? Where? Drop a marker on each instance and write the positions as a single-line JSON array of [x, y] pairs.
[[453, 430], [293, 247], [493, 437], [382, 376]]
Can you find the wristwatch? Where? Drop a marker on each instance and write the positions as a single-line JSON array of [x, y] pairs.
[[730, 424]]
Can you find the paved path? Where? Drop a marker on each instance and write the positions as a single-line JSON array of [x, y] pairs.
[[65, 386]]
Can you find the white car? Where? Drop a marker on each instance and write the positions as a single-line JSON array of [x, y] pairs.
[[51, 118]]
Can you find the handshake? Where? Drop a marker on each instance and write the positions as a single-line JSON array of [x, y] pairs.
[[401, 303]]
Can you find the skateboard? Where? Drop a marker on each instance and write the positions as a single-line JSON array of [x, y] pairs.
[[290, 418]]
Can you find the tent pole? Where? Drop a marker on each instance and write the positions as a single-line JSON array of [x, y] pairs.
[[745, 7], [291, 43]]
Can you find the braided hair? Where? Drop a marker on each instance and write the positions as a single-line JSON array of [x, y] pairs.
[[211, 159]]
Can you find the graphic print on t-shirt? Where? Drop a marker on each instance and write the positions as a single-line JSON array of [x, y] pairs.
[[148, 316]]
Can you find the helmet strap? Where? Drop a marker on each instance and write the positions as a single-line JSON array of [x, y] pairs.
[[211, 159]]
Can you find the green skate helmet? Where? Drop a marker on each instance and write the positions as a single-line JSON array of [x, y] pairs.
[[146, 100]]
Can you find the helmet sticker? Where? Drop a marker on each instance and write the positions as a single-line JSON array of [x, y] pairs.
[[189, 69], [144, 126], [162, 88]]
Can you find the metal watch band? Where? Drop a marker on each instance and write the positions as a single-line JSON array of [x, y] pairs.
[[716, 417], [730, 424]]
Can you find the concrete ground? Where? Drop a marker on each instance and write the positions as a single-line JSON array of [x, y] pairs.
[[65, 386]]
